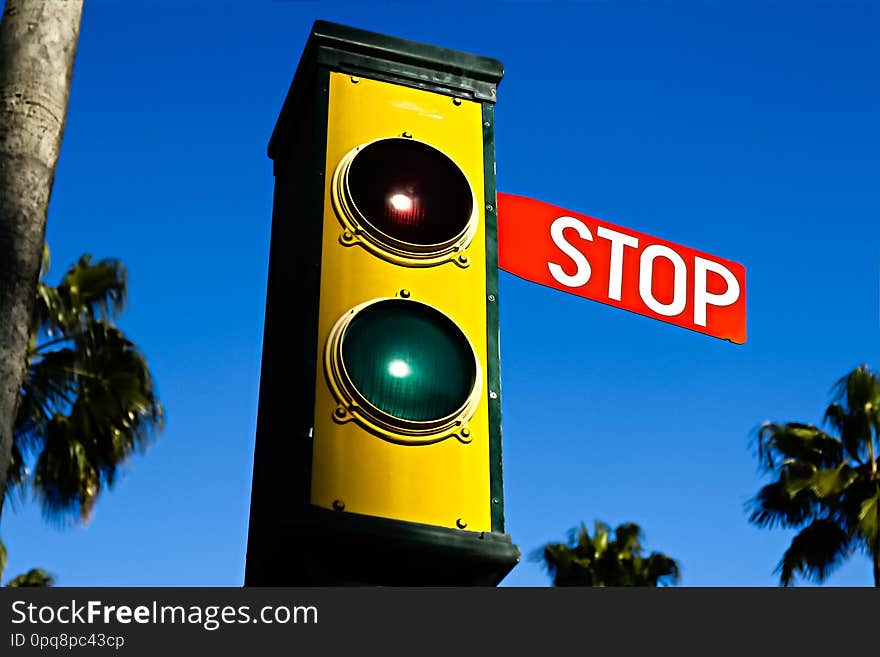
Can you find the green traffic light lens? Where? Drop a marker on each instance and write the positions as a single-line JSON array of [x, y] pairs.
[[409, 360]]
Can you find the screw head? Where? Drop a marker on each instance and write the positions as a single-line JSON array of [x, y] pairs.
[[339, 412], [491, 297], [493, 394], [456, 101], [347, 236], [338, 505], [354, 79], [463, 258], [489, 208], [406, 135], [405, 293], [460, 523], [465, 432]]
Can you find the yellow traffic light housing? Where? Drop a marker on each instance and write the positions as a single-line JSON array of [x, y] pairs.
[[379, 421]]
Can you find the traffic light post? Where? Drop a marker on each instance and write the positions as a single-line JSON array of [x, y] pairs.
[[378, 450]]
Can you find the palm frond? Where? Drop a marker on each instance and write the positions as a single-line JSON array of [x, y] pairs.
[[825, 484], [661, 570], [775, 506], [601, 536], [858, 397], [869, 518], [854, 427], [49, 388], [797, 441], [628, 538], [16, 477], [117, 401], [603, 560], [89, 291], [566, 566], [36, 577], [859, 389], [66, 482], [115, 414], [817, 550], [832, 482]]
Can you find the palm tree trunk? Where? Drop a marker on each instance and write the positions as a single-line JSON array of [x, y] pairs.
[[38, 40]]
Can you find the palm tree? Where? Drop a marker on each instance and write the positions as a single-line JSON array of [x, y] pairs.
[[601, 560], [38, 40], [826, 486], [35, 577], [88, 401]]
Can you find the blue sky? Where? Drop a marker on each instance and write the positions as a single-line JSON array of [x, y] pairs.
[[745, 130]]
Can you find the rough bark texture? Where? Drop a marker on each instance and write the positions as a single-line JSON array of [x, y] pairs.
[[38, 41]]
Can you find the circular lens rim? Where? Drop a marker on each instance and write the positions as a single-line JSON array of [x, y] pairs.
[[357, 407], [372, 237], [441, 321], [430, 151]]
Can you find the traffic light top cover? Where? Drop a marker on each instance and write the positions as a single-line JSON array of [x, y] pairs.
[[400, 61]]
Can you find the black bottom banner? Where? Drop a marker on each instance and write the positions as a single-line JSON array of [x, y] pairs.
[[180, 621]]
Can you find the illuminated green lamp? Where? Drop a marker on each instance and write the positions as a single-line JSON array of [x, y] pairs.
[[405, 370]]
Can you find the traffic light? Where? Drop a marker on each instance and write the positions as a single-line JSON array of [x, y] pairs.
[[378, 451]]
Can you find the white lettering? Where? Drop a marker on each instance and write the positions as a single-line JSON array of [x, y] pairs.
[[618, 242], [15, 609], [702, 298], [646, 273], [582, 275]]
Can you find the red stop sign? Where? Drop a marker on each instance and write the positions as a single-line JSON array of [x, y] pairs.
[[620, 267]]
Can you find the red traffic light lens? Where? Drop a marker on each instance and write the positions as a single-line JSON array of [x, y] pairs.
[[410, 192]]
